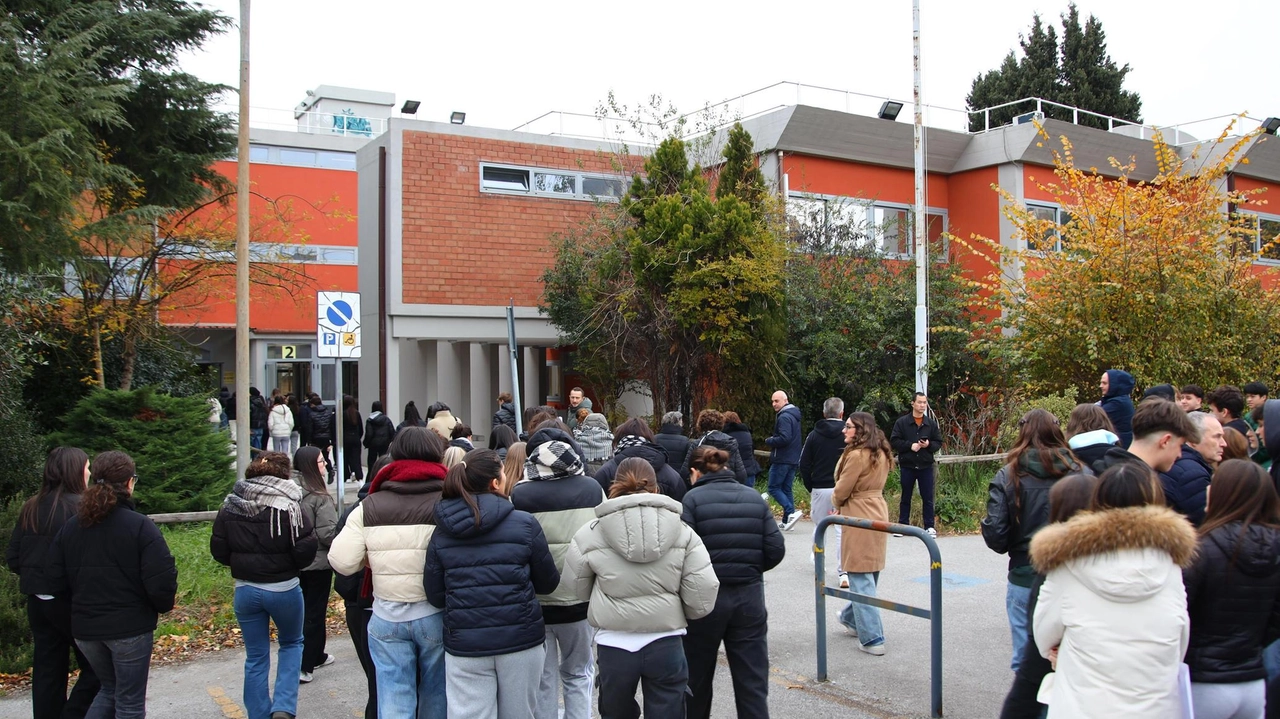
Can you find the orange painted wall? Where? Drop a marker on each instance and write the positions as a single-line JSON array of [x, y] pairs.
[[1267, 201], [824, 176], [974, 210], [1033, 174]]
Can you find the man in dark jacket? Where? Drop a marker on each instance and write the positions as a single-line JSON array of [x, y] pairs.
[[916, 437], [379, 430], [822, 449], [1186, 483], [784, 459], [320, 428], [257, 419], [1116, 386], [506, 413], [671, 436]]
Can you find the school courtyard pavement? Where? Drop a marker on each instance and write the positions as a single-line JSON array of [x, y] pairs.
[[975, 662]]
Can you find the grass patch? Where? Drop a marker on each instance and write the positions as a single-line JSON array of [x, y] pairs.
[[205, 588]]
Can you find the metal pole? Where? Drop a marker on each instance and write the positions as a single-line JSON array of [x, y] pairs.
[[338, 451], [819, 595], [515, 374], [922, 248], [935, 624], [242, 252]]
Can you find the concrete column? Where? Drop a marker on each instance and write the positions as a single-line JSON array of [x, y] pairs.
[[450, 368], [503, 365], [534, 360], [481, 394]]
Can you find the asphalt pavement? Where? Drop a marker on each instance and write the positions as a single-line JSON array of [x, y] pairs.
[[975, 665]]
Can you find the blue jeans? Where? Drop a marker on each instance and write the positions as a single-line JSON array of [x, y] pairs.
[[122, 666], [1015, 604], [1271, 660], [255, 609], [409, 657], [863, 618], [256, 438], [782, 477]]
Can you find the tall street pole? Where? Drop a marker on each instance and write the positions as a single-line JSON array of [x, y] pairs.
[[920, 219], [242, 252]]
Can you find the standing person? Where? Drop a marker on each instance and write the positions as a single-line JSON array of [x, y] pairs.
[[66, 472], [1160, 429], [916, 437], [296, 439], [316, 579], [1186, 483], [671, 437], [321, 430], [1117, 386], [577, 400], [744, 542], [563, 500], [486, 563], [596, 439], [352, 437], [115, 564], [461, 437], [709, 424], [1227, 404], [379, 430], [506, 414], [1090, 434], [1233, 589], [1191, 398], [860, 476], [440, 420], [646, 574], [633, 438], [501, 437], [822, 449], [1018, 506], [280, 426], [257, 419], [264, 536], [513, 468], [784, 459], [389, 532], [1113, 609], [411, 417], [741, 434], [224, 399]]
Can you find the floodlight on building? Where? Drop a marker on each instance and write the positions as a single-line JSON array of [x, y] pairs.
[[410, 107], [1271, 125], [889, 110], [458, 118]]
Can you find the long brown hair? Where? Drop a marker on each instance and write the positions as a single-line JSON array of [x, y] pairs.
[[634, 476], [305, 462], [1038, 432], [513, 467], [63, 474], [1241, 492], [109, 477], [870, 437], [1071, 495], [473, 475], [1237, 445]]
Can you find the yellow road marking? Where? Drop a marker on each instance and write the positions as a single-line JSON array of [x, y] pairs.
[[229, 708]]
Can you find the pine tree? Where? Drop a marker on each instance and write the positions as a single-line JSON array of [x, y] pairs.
[[1090, 77]]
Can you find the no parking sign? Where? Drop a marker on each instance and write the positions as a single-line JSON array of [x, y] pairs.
[[338, 324]]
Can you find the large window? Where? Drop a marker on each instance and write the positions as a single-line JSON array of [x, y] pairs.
[[1266, 234], [567, 184], [280, 252], [1051, 239], [298, 157], [845, 222]]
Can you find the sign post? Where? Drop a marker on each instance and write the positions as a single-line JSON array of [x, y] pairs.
[[338, 336]]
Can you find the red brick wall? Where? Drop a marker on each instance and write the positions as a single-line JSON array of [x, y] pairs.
[[465, 247]]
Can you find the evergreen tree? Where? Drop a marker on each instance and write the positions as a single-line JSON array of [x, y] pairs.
[[1090, 77]]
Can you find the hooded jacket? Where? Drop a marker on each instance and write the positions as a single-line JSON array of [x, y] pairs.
[[1233, 598], [1089, 447], [27, 553], [785, 441], [379, 430], [562, 505], [672, 440], [641, 567], [719, 440], [594, 438], [1114, 604], [280, 422], [822, 449], [668, 479], [320, 423], [741, 434], [485, 575], [1186, 484], [1119, 405], [736, 526], [1012, 519]]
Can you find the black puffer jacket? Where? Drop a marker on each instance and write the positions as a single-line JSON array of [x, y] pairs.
[[1233, 599], [719, 440], [320, 423], [736, 526], [487, 577], [119, 572], [668, 479], [741, 434], [379, 430], [672, 440], [1186, 484], [262, 548], [28, 552], [1012, 520], [822, 449], [506, 414]]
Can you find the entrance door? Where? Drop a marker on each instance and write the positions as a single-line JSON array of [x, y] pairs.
[[293, 378]]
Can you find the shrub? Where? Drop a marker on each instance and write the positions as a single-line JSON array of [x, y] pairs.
[[15, 632], [1060, 405], [184, 463]]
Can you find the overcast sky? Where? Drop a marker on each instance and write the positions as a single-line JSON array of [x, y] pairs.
[[505, 63]]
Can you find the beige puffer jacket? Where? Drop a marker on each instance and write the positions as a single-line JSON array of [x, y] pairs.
[[641, 567], [389, 532]]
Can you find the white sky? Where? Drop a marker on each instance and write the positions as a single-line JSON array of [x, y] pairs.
[[505, 63]]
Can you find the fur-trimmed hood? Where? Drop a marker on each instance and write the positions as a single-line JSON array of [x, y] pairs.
[[1121, 554]]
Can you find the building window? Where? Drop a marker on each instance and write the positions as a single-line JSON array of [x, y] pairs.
[[1265, 230], [566, 184], [259, 153], [290, 156], [298, 157], [279, 252], [1051, 240], [844, 222]]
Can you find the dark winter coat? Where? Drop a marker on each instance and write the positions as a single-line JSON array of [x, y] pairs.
[[487, 577], [741, 434], [1271, 435], [669, 481], [1011, 520], [906, 433], [719, 440], [1233, 599], [302, 423], [348, 585], [672, 440], [28, 552], [1119, 405], [1090, 447], [822, 449], [352, 432], [785, 441], [257, 412], [506, 414], [1185, 485], [119, 572], [736, 526], [379, 430], [320, 424], [259, 549]]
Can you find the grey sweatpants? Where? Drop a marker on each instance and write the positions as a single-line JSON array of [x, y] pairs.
[[504, 686], [1243, 700]]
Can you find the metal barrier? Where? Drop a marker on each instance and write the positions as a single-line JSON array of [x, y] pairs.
[[933, 614]]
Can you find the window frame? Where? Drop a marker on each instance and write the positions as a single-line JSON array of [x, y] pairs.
[[579, 177], [873, 236], [1258, 219], [1058, 214]]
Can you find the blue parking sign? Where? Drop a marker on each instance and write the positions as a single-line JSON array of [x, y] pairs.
[[330, 338]]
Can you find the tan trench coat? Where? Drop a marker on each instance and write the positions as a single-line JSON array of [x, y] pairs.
[[859, 492]]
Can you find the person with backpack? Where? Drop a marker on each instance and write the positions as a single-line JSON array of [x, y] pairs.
[[379, 430], [320, 430], [257, 419], [280, 425]]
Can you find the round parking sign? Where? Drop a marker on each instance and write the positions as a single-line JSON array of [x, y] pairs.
[[340, 313]]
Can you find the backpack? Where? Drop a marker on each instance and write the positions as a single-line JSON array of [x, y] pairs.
[[257, 413]]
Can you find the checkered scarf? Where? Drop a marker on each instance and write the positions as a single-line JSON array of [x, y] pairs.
[[251, 495], [631, 440], [553, 460]]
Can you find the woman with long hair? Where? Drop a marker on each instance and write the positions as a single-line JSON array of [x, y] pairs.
[[264, 536], [645, 574], [120, 574], [1233, 588], [513, 467], [501, 437], [66, 473], [352, 440], [1018, 506], [1112, 612], [1089, 433], [1237, 444], [491, 561], [860, 474], [317, 579], [411, 417], [280, 424]]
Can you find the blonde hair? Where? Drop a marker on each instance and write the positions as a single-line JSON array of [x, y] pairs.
[[513, 467], [452, 456]]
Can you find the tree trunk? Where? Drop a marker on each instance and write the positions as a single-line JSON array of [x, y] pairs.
[[100, 375], [129, 357]]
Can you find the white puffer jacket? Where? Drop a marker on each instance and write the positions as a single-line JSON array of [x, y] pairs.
[[641, 567], [280, 421]]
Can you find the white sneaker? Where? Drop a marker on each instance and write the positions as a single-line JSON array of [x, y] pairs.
[[796, 516], [765, 497], [932, 532], [304, 677], [873, 649], [844, 580], [328, 659]]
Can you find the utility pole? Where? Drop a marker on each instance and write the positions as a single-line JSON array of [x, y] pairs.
[[920, 217], [242, 252]]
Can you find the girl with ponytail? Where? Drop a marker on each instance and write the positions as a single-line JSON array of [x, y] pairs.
[[491, 561]]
